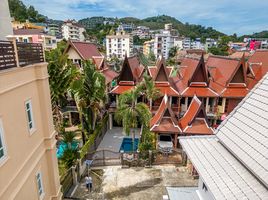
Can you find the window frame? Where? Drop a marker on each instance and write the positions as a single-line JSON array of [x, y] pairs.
[[31, 129], [42, 194], [4, 147]]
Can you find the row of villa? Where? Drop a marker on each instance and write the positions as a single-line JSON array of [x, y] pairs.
[[196, 96]]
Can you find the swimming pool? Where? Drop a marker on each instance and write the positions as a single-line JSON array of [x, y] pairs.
[[126, 145], [62, 146]]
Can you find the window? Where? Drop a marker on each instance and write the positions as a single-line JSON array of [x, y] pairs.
[[220, 101], [2, 146], [29, 112], [40, 185]]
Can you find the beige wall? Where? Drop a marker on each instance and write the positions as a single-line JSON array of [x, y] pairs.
[[27, 153], [5, 20], [72, 54]]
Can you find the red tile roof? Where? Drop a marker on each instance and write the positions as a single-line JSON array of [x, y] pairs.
[[109, 75], [99, 62], [222, 70], [258, 64], [192, 78], [85, 49], [194, 120], [164, 120], [120, 89]]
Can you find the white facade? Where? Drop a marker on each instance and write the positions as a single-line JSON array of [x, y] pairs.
[[119, 45], [163, 42], [73, 31], [5, 20]]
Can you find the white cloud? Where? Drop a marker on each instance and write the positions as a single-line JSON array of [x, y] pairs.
[[226, 15]]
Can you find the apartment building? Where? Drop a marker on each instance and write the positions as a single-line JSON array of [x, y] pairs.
[[72, 30], [119, 45], [148, 47], [142, 32], [28, 162], [36, 36], [210, 43], [164, 41]]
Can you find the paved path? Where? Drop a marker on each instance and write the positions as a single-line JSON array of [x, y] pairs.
[[113, 139]]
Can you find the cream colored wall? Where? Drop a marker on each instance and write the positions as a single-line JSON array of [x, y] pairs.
[[222, 108], [73, 54], [5, 20], [27, 153]]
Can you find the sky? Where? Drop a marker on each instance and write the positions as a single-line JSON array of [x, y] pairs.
[[227, 16]]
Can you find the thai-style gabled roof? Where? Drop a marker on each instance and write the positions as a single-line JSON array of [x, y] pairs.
[[132, 70], [99, 62], [226, 74], [257, 67], [164, 120], [161, 76], [85, 50], [194, 121], [192, 78]]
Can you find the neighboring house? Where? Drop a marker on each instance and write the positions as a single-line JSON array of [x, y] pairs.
[[228, 79], [233, 163], [28, 162], [82, 51], [192, 80], [119, 45], [5, 20], [36, 36], [71, 30]]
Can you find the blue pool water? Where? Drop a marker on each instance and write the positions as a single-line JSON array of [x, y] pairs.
[[61, 148], [126, 145]]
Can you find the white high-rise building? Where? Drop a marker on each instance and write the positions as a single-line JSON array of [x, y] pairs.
[[119, 45], [73, 31], [164, 41], [5, 20]]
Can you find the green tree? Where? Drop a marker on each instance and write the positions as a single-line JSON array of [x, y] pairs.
[[130, 112], [68, 137], [151, 56], [89, 92], [173, 51], [69, 157], [61, 75], [150, 91]]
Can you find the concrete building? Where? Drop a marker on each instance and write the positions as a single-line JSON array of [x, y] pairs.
[[142, 32], [28, 162], [36, 36], [5, 20], [163, 42], [73, 31], [54, 29], [148, 47], [119, 45], [210, 43]]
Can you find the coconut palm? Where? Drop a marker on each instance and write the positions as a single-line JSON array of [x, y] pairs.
[[68, 138], [61, 75], [90, 96], [150, 91], [130, 113]]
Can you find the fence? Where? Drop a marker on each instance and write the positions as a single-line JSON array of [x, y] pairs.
[[18, 54], [29, 53], [7, 55]]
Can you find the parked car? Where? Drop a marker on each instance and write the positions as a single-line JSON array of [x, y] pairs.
[[165, 143]]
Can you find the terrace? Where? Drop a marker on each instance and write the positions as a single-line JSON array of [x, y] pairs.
[[18, 54]]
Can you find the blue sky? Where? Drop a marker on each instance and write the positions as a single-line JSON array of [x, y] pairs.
[[228, 16]]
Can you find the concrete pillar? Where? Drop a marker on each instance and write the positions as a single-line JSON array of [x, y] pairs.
[[186, 103], [110, 121], [207, 108], [176, 140], [117, 100], [74, 175], [184, 158]]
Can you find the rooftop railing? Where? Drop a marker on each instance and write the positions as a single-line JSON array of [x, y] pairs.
[[19, 54]]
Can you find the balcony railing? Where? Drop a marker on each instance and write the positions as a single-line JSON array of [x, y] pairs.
[[19, 54], [7, 55]]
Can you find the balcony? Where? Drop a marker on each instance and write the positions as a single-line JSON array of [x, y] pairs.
[[19, 54]]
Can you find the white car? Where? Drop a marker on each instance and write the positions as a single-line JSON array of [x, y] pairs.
[[165, 143]]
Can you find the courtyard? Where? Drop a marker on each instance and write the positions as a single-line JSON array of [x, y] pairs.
[[114, 182]]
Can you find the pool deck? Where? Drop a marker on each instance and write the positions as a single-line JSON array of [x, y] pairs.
[[113, 139]]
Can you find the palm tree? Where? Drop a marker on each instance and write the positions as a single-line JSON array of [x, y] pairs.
[[61, 75], [130, 113], [68, 138], [89, 92], [151, 92]]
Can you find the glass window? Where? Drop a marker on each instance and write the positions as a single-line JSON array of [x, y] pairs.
[[2, 147], [29, 112], [39, 184]]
